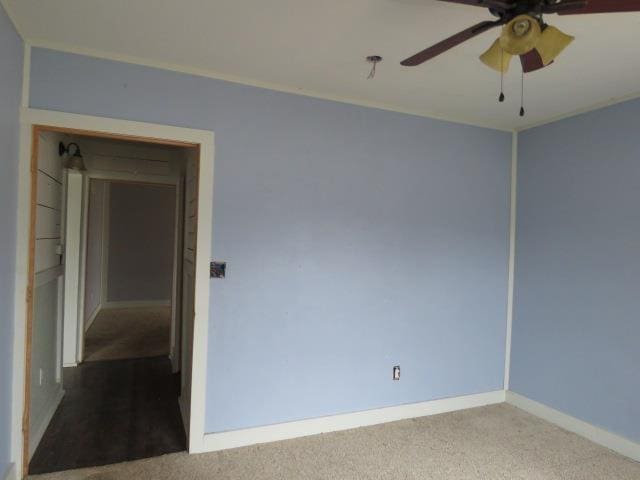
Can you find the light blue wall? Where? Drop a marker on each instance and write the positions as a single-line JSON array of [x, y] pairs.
[[356, 239], [11, 55], [576, 331]]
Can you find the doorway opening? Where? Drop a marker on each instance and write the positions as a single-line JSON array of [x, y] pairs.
[[110, 299], [132, 243]]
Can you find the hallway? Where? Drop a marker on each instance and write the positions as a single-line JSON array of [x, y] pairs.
[[120, 333], [113, 411]]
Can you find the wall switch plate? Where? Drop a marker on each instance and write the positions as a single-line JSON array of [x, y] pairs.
[[217, 269], [396, 372]]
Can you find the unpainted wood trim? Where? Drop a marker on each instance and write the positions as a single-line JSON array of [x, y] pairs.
[[35, 139], [113, 136]]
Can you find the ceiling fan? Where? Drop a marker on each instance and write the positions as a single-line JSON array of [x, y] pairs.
[[524, 32]]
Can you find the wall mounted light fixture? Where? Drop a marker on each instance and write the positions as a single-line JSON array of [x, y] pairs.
[[75, 161]]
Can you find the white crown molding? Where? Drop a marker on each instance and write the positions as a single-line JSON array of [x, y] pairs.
[[598, 435], [201, 72], [302, 428], [574, 113]]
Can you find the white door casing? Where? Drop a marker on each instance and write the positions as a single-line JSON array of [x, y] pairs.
[[154, 133]]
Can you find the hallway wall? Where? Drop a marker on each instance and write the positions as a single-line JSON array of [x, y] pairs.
[[11, 53], [95, 231], [141, 242]]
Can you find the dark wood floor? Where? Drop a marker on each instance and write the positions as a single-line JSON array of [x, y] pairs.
[[113, 411]]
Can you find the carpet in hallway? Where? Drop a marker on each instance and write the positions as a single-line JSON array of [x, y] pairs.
[[119, 333]]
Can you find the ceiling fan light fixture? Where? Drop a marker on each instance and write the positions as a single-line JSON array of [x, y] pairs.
[[551, 44], [496, 58], [520, 35]]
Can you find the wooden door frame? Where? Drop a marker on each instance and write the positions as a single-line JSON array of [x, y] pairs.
[[33, 120]]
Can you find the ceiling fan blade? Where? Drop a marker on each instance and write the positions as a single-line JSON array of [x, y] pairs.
[[564, 6], [532, 61], [449, 43], [495, 4], [602, 6]]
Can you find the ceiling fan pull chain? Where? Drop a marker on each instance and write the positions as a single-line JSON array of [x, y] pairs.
[[501, 97], [522, 95]]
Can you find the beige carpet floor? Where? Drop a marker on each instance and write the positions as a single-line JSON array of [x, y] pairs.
[[121, 333], [488, 443]]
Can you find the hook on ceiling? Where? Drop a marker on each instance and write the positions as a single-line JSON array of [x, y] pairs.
[[373, 60]]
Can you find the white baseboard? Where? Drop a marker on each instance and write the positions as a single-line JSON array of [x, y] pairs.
[[597, 435], [302, 428], [38, 433], [138, 304], [92, 317], [10, 473]]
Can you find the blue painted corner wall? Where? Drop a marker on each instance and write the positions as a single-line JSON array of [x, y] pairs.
[[356, 239], [576, 326], [11, 58]]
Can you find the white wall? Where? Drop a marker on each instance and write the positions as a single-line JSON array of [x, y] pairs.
[[95, 227], [73, 260], [141, 242], [46, 338]]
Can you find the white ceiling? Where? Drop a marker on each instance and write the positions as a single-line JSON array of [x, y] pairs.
[[318, 48]]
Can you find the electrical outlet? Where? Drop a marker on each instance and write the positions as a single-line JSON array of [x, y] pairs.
[[41, 377], [396, 372]]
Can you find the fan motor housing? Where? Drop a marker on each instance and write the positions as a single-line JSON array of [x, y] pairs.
[[531, 6], [520, 35]]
